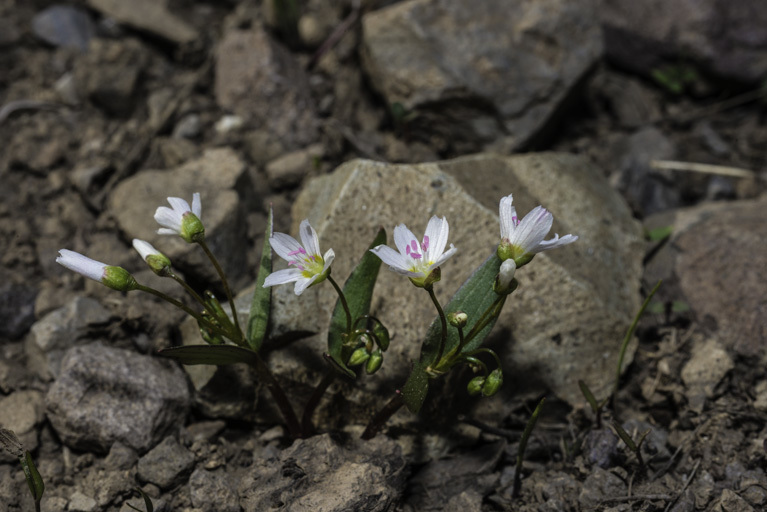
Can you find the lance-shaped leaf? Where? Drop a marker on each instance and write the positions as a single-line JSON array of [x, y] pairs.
[[261, 304], [415, 389], [211, 354], [35, 481], [358, 290], [474, 297]]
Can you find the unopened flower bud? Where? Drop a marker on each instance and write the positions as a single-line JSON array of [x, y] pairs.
[[157, 261], [374, 363], [457, 318], [359, 356], [116, 278], [504, 281], [492, 383], [475, 385]]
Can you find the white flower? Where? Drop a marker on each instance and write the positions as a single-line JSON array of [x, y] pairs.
[[521, 240], [181, 220], [308, 267], [417, 260], [157, 261], [116, 278]]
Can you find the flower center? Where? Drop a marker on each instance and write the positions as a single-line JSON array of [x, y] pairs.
[[418, 263], [309, 265]]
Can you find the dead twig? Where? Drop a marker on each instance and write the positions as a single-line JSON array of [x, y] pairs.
[[684, 487], [720, 170]]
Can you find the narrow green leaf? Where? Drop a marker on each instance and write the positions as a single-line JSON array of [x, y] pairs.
[[658, 234], [261, 304], [358, 290], [642, 437], [416, 387], [589, 396], [210, 354], [625, 437], [35, 481], [147, 502], [474, 297]]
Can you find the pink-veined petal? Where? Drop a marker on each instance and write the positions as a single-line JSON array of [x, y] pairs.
[[533, 228], [330, 255], [444, 257], [390, 256], [283, 245], [309, 238], [402, 238], [437, 230], [287, 275], [555, 242], [304, 283], [507, 213]]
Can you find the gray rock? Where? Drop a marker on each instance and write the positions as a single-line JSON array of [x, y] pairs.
[[212, 491], [708, 365], [715, 247], [148, 15], [17, 309], [60, 330], [217, 175], [64, 25], [599, 485], [79, 502], [166, 465], [188, 127], [318, 474], [22, 411], [104, 395], [573, 305], [600, 448], [109, 73], [260, 81], [121, 456], [289, 169], [471, 72], [726, 37], [647, 190]]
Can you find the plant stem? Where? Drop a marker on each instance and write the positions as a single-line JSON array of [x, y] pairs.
[[382, 416], [443, 319], [492, 311], [188, 288], [183, 307], [523, 446], [307, 428], [288, 414], [226, 285], [345, 305]]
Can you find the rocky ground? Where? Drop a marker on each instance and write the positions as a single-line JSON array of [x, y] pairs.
[[107, 109]]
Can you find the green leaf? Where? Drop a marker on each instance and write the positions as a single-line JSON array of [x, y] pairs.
[[35, 481], [211, 354], [625, 437], [147, 502], [474, 297], [261, 304], [589, 396], [358, 290], [416, 387], [630, 333]]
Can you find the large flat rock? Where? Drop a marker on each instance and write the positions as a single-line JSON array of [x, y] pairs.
[[573, 306]]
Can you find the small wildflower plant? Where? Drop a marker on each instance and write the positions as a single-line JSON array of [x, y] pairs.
[[355, 338]]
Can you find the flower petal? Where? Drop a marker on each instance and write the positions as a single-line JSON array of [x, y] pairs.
[[197, 205], [402, 238], [330, 255], [445, 256], [304, 283], [287, 275], [533, 228], [390, 256], [507, 214], [555, 242], [437, 230], [81, 264], [309, 238], [168, 218], [284, 244], [166, 231], [179, 205]]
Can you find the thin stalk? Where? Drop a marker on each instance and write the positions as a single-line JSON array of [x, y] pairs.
[[307, 428], [443, 319], [382, 416], [288, 414], [345, 305], [194, 314], [523, 446], [487, 351], [188, 288], [492, 311], [227, 290]]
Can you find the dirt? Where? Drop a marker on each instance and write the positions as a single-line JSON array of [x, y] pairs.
[[60, 161]]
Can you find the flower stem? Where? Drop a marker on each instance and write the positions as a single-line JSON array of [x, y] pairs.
[[491, 312], [225, 283], [380, 419], [188, 288], [288, 414], [307, 428], [345, 305], [443, 319], [194, 314]]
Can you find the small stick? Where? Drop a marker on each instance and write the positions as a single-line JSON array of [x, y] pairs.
[[721, 170]]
